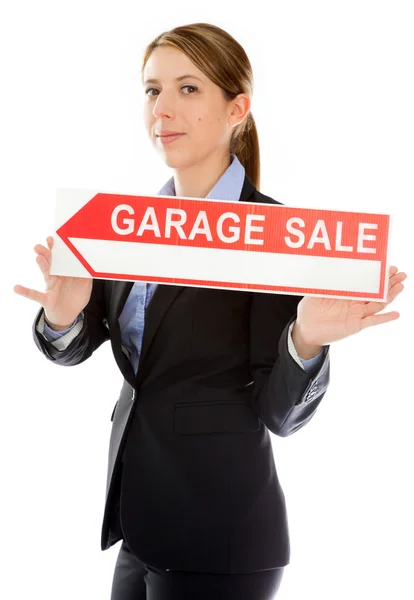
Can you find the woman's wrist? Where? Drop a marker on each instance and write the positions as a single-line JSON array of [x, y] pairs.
[[305, 348], [57, 327]]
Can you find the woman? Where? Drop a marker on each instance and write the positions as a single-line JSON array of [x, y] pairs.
[[192, 487]]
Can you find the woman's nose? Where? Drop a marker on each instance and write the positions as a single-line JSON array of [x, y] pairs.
[[164, 105]]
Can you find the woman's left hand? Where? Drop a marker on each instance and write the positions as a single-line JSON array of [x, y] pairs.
[[321, 321]]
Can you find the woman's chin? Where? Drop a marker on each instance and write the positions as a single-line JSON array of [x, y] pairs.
[[175, 161]]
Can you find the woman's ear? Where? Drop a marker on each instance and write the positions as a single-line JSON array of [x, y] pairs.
[[240, 109]]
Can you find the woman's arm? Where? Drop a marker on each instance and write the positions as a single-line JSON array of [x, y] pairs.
[[89, 333], [285, 396]]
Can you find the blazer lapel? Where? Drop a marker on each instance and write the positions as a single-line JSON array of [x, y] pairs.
[[160, 302], [248, 191], [119, 294], [162, 299]]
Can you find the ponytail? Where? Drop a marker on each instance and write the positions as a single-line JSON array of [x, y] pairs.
[[245, 145]]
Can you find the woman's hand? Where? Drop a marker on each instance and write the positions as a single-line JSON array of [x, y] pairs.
[[321, 321], [64, 298]]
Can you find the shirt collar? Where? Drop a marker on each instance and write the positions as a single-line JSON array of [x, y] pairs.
[[228, 187]]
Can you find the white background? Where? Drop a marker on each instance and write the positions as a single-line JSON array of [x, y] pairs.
[[333, 103]]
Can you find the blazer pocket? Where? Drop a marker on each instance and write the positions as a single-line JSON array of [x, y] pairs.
[[219, 417]]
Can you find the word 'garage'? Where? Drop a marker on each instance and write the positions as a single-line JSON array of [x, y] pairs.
[[175, 218]]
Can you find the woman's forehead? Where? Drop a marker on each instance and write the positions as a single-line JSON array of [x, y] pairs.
[[169, 64]]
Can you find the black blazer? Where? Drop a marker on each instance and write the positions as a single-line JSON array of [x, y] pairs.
[[192, 484]]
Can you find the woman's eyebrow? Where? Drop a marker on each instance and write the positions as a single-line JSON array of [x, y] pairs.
[[188, 76]]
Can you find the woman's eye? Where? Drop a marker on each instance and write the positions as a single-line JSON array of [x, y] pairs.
[[150, 90], [193, 87]]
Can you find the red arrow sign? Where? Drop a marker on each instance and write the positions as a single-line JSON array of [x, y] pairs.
[[231, 244]]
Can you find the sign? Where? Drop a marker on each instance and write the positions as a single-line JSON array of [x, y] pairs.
[[221, 244]]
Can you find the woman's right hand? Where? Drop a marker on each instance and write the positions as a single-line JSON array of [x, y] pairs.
[[64, 298]]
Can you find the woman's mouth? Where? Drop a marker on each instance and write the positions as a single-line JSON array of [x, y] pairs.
[[169, 138]]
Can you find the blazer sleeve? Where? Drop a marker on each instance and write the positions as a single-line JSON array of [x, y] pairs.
[[285, 396], [93, 333]]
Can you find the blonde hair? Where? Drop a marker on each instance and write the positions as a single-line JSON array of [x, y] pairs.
[[223, 60]]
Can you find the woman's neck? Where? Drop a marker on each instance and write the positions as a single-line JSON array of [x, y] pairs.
[[197, 180]]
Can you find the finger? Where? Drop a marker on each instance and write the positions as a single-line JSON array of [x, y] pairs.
[[392, 271], [43, 264], [30, 294], [39, 249], [49, 241], [397, 278], [373, 320], [43, 252], [371, 308], [394, 292]]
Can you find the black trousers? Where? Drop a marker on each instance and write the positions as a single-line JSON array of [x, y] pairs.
[[134, 580]]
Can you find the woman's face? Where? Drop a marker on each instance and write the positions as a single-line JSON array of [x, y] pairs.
[[181, 99]]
